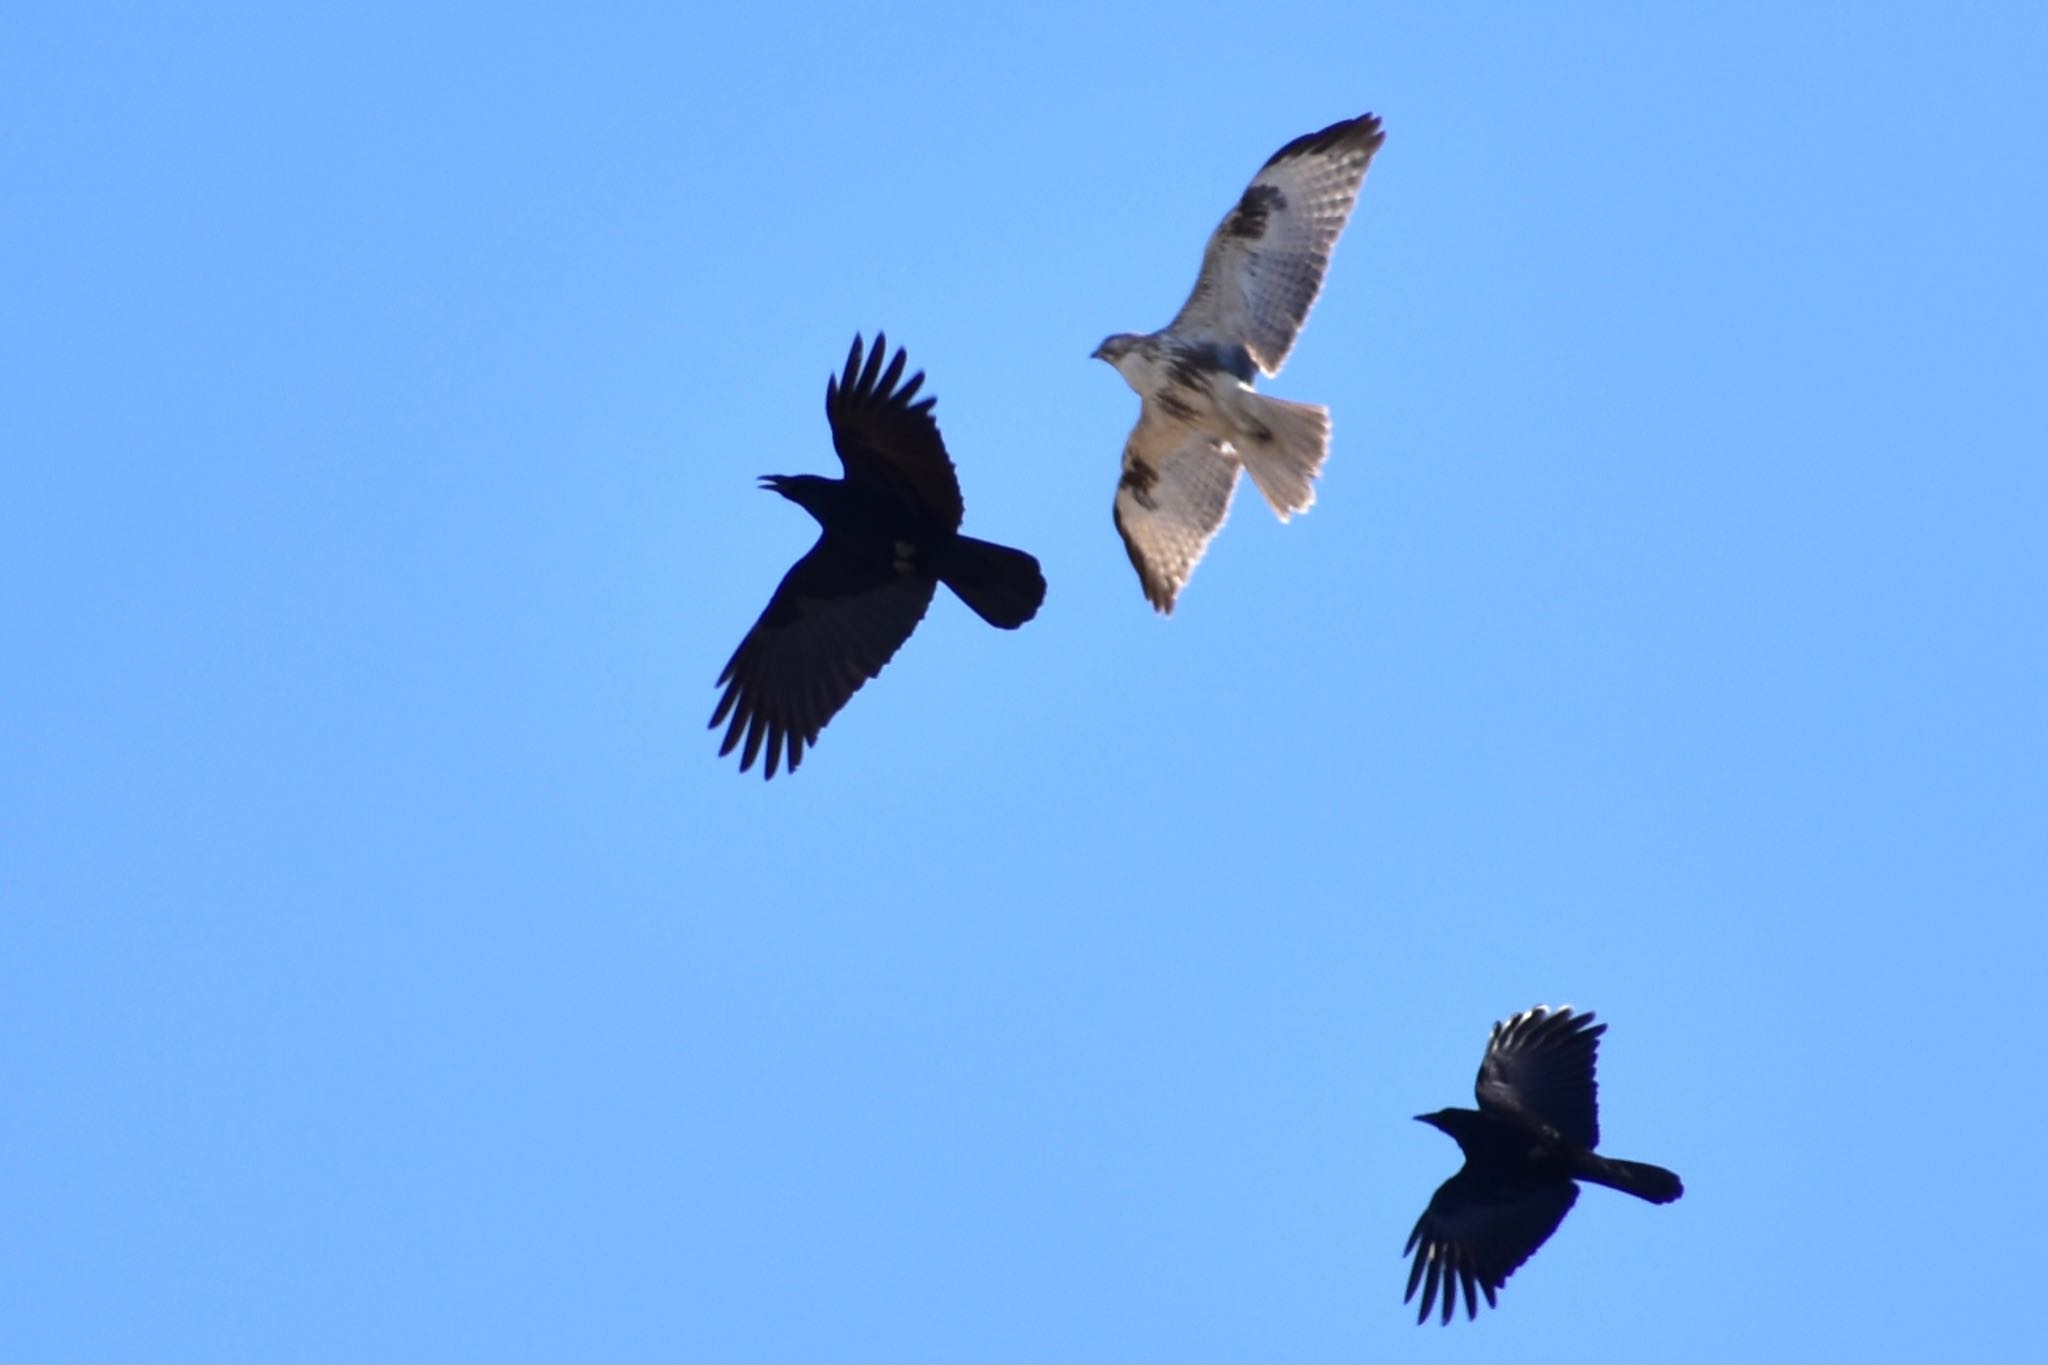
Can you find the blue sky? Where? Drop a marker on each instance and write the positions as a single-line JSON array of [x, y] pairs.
[[394, 970]]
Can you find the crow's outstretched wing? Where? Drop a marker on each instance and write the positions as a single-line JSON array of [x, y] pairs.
[[1265, 262], [1171, 500], [1539, 1069], [888, 441], [832, 624], [1476, 1232]]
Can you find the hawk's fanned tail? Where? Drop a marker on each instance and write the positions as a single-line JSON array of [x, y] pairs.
[[1283, 446]]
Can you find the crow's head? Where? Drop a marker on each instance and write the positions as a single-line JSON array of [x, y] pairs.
[[806, 490], [1457, 1123]]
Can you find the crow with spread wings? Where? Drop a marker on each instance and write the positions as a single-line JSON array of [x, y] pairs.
[[890, 534], [1201, 419], [1526, 1146]]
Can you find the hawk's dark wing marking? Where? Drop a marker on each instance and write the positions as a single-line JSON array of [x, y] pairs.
[[1171, 501], [1264, 264]]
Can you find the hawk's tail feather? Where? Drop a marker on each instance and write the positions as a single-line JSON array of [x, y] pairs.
[[1283, 446], [1002, 585], [1638, 1178]]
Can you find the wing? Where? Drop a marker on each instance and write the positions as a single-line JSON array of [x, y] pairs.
[[886, 440], [1476, 1232], [1539, 1068], [1172, 498], [1265, 262], [830, 626]]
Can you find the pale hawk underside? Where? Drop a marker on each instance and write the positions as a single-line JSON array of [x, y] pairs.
[[1261, 273]]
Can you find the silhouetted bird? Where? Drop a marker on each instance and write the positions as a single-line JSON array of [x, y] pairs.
[[1531, 1138], [891, 534]]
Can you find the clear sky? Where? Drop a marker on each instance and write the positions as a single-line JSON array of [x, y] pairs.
[[392, 968]]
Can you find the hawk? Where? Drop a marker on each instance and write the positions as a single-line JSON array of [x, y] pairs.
[[1526, 1146], [1200, 418], [889, 535]]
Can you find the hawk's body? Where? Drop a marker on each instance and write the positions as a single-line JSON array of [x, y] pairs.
[[1202, 418]]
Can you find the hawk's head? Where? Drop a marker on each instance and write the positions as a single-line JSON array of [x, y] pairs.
[[1114, 349]]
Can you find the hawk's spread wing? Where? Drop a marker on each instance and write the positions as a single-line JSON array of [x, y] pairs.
[[1172, 498], [885, 440], [1265, 262], [831, 625], [1539, 1067], [1475, 1234]]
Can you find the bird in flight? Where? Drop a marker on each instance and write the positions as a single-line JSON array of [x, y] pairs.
[[1200, 418], [1526, 1146], [890, 534]]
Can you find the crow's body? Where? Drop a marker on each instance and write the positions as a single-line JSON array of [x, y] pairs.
[[889, 534], [1526, 1147]]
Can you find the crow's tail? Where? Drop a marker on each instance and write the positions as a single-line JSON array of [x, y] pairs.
[[1638, 1178], [1004, 586]]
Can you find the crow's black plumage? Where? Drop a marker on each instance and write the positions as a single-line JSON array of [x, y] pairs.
[[1526, 1145], [890, 534]]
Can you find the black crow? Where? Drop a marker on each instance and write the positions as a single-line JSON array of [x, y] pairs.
[[1526, 1145], [891, 534]]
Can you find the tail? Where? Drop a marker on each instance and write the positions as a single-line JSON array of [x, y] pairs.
[[1003, 585], [1283, 446], [1638, 1178]]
